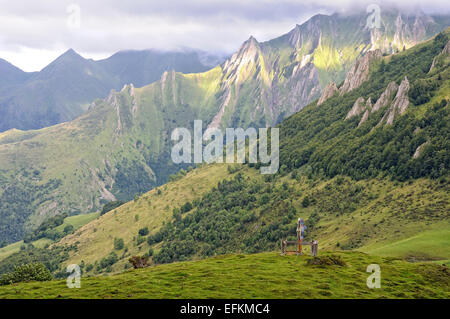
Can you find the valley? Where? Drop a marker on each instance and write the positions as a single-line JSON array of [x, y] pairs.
[[364, 160]]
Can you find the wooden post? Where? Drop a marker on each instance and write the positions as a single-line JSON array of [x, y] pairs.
[[283, 246], [314, 248]]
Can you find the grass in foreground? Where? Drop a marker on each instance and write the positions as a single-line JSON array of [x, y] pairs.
[[265, 275]]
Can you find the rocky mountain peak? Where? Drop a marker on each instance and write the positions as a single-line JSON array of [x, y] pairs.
[[328, 92], [359, 73], [240, 65]]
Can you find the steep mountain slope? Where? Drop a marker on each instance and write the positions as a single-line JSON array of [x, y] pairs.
[[379, 188], [251, 214], [121, 146], [144, 67], [11, 75], [64, 89], [264, 82]]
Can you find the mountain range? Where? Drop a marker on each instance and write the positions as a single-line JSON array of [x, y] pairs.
[[363, 117], [64, 89], [367, 169], [120, 146]]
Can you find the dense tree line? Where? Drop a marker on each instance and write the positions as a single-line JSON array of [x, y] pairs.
[[321, 141], [228, 219], [18, 201]]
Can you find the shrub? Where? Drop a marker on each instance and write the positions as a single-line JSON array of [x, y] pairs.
[[305, 202], [138, 261], [186, 207], [143, 231], [176, 214], [326, 261], [68, 229], [28, 272], [140, 240], [108, 261], [111, 205], [118, 243]]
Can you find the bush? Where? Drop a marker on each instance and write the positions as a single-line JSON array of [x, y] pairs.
[[111, 205], [68, 229], [143, 231], [176, 214], [138, 261], [108, 261], [186, 207], [140, 240], [28, 272], [118, 243], [326, 261]]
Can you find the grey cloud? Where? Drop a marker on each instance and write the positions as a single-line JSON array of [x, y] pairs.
[[212, 25]]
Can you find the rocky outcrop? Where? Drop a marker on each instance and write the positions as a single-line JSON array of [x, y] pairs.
[[240, 66], [386, 96], [446, 49], [359, 73], [364, 118], [445, 52], [358, 108], [399, 105], [419, 149], [328, 92], [366, 113], [303, 87]]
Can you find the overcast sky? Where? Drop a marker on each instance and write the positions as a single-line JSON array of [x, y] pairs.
[[35, 32]]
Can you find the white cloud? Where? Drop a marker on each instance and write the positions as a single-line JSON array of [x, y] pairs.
[[32, 33]]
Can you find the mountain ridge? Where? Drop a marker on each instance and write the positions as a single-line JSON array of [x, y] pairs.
[[120, 147], [62, 90]]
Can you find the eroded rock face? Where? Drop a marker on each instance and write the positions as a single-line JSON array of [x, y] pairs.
[[364, 118], [399, 105], [272, 96], [358, 108], [419, 149], [328, 92], [359, 73], [386, 96], [367, 112], [445, 51]]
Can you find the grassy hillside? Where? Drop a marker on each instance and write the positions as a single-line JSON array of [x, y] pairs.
[[374, 187], [266, 275], [116, 150], [95, 240], [74, 221], [121, 146], [374, 216]]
